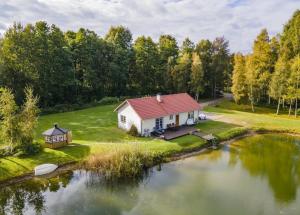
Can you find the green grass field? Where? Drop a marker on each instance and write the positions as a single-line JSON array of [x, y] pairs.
[[262, 118], [95, 132]]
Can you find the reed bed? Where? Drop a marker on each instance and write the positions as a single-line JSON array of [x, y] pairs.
[[129, 162]]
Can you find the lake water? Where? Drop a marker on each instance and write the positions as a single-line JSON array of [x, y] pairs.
[[256, 175]]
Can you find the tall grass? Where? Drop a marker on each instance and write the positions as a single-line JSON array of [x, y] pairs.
[[120, 163]]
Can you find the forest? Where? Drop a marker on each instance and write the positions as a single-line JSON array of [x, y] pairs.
[[271, 72], [81, 67]]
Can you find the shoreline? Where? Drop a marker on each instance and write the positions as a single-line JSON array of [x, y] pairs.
[[174, 157]]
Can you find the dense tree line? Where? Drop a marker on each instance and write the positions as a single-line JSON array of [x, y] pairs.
[[271, 73], [79, 67]]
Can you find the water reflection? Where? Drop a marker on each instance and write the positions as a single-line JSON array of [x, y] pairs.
[[241, 178], [14, 199], [275, 157], [32, 196]]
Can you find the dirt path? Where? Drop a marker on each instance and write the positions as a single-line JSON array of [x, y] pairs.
[[227, 96]]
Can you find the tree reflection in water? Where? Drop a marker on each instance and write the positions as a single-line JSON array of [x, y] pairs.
[[32, 195], [272, 156], [16, 198]]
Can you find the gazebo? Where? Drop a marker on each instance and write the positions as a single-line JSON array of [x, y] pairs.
[[57, 137]]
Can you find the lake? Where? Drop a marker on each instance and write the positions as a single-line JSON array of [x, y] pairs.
[[254, 175]]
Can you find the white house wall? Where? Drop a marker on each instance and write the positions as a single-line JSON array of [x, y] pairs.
[[149, 124], [131, 118]]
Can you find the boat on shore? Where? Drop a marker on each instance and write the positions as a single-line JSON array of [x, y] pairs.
[[44, 169]]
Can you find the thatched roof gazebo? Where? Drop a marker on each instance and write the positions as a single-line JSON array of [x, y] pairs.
[[57, 137]]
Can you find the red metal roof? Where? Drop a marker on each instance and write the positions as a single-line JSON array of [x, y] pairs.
[[149, 107]]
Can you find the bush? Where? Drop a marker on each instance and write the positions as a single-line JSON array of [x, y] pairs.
[[108, 100], [27, 150], [133, 131], [32, 149]]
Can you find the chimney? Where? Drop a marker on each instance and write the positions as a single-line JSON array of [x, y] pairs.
[[55, 125], [158, 98]]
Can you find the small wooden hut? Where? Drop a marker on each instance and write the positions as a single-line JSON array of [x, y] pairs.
[[57, 137]]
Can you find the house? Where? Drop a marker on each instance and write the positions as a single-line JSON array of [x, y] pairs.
[[158, 112], [57, 137]]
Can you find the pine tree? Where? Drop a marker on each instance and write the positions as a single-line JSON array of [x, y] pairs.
[[262, 62]]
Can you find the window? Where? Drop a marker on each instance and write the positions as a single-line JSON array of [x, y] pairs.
[[123, 119], [191, 115], [54, 139], [61, 138], [48, 139], [171, 117], [159, 123]]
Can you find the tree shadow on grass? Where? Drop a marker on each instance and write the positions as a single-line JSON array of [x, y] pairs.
[[76, 150], [69, 153]]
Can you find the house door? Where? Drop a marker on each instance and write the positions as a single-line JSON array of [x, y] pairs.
[[177, 120], [159, 123]]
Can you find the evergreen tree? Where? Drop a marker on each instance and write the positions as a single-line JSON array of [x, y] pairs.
[[187, 46], [289, 40], [220, 65], [262, 63]]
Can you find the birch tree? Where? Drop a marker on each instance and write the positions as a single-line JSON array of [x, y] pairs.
[[279, 84], [295, 80]]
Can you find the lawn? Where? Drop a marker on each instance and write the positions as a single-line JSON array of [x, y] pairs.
[[262, 118], [94, 131]]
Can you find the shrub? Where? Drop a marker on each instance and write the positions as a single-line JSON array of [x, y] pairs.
[[133, 131], [108, 100], [27, 149]]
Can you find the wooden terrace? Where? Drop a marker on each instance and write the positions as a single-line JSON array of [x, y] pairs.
[[173, 133], [178, 132]]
